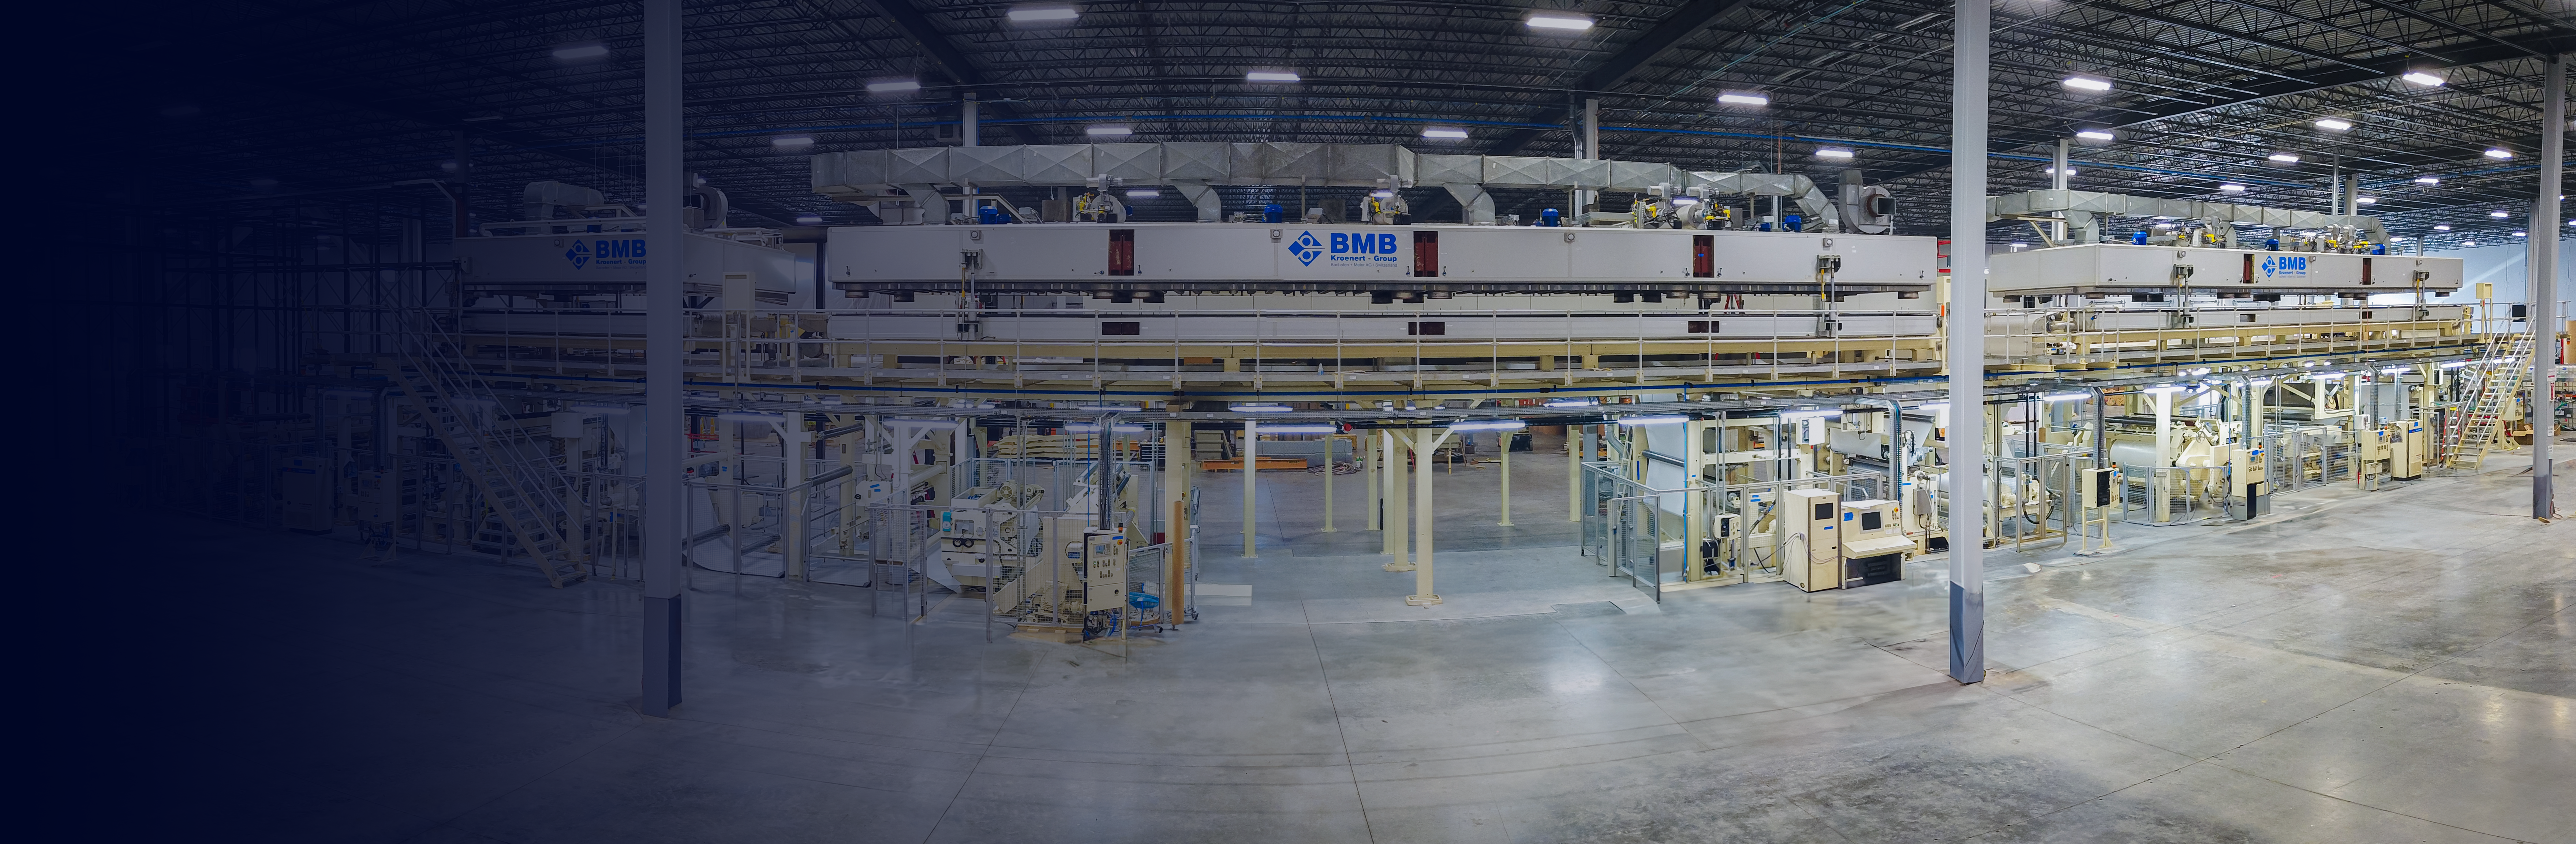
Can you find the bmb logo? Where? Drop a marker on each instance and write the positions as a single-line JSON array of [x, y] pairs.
[[605, 252]]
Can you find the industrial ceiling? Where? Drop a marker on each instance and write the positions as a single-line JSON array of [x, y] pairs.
[[263, 105]]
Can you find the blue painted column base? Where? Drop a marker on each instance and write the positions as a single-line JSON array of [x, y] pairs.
[[1967, 635]]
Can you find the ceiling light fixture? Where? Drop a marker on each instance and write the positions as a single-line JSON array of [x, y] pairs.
[[2498, 214], [2231, 188], [1571, 403], [2095, 134], [792, 142], [1284, 428], [2367, 200], [1108, 131], [1566, 23], [2441, 228], [2056, 397], [2499, 153], [1490, 425], [1271, 76], [894, 86], [2087, 83], [2427, 180], [2421, 78], [2283, 157], [1452, 134], [2331, 123], [809, 220], [1834, 153], [1744, 99], [1042, 14], [1653, 420]]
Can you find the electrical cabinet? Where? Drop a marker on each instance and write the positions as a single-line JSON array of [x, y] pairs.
[[2411, 448], [305, 494], [1873, 543], [2097, 488], [1810, 546], [2246, 473]]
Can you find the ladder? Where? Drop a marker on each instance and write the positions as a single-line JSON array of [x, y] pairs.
[[2480, 426], [516, 477]]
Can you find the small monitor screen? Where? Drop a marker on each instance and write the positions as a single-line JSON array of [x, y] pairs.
[[1825, 511], [1869, 520]]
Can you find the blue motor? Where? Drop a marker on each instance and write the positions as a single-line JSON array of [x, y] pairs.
[[2273, 244], [1270, 213], [1547, 217], [2138, 237], [1762, 227], [2379, 249], [989, 215], [1793, 223]]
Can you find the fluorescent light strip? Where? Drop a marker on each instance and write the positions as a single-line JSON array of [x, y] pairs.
[[1490, 425], [1652, 420], [1260, 408], [1291, 428]]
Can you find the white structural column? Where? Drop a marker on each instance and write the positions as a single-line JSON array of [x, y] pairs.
[[1251, 431], [1398, 520], [1365, 451], [968, 117], [1507, 479], [665, 435], [1966, 354], [1425, 443], [791, 516], [1329, 439], [1574, 457], [2057, 173], [2543, 260]]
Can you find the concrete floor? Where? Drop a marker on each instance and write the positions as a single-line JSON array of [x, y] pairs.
[[2396, 666]]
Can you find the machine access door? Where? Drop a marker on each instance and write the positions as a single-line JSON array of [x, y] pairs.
[[1636, 530]]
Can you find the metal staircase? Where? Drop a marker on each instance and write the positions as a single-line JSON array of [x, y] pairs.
[[2477, 428], [516, 475]]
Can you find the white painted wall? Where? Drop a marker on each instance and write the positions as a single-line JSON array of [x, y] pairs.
[[2501, 265]]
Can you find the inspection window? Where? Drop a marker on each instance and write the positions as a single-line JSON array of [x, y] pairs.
[[1122, 251], [1122, 329], [1426, 327], [1703, 326], [1426, 254]]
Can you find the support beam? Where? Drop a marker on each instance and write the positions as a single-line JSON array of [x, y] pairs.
[[942, 55], [1966, 350], [2543, 260], [1398, 520], [1507, 480], [1328, 484], [1685, 21], [1251, 468], [1425, 442], [665, 425]]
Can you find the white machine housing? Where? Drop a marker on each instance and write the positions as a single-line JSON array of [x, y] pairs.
[[1299, 256], [2131, 269], [613, 260]]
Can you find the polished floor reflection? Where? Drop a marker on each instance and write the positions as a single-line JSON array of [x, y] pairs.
[[2380, 666]]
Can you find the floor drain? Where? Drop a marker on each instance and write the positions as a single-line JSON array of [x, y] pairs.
[[1592, 608]]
